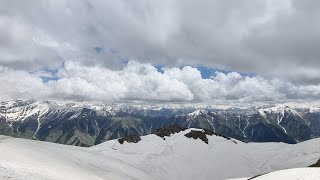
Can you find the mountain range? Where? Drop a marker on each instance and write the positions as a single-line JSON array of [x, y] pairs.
[[84, 124]]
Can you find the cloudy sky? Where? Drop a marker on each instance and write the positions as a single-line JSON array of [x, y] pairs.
[[160, 51]]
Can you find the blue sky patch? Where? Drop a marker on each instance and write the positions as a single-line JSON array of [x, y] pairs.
[[98, 49], [47, 79]]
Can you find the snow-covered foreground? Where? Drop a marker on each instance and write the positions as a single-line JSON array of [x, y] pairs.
[[290, 174], [177, 157], [293, 174], [26, 159]]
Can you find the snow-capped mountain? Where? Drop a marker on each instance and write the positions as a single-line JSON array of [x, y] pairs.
[[170, 157], [85, 124]]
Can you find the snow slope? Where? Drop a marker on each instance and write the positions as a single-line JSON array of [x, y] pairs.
[[181, 158], [27, 159], [291, 174], [176, 157]]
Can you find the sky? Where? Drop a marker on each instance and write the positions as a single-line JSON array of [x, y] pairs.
[[144, 51]]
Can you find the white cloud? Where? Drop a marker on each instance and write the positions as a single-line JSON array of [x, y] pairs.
[[138, 82], [262, 37], [17, 84]]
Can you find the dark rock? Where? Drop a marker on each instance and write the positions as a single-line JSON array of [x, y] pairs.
[[208, 132], [254, 177], [197, 134], [121, 141], [132, 138], [317, 164], [167, 131]]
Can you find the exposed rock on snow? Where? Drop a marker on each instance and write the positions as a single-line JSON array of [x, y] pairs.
[[317, 164], [197, 134], [132, 138], [167, 131]]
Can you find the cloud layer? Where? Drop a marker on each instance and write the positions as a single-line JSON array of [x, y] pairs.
[[268, 37], [138, 82], [81, 49]]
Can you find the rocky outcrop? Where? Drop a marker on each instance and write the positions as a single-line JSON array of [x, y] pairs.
[[167, 131], [132, 138], [210, 133], [197, 135], [317, 164]]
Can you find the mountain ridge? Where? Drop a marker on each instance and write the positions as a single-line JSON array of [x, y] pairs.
[[85, 124]]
